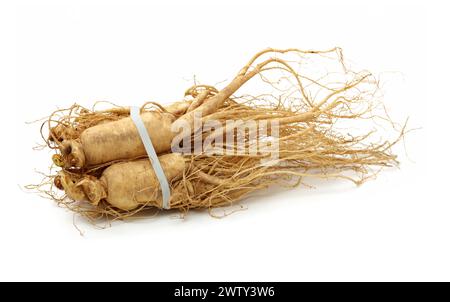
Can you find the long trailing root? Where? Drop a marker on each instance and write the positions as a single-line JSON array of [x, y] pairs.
[[326, 125]]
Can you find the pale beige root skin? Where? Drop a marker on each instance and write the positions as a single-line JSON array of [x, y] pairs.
[[312, 137], [66, 134], [120, 140], [198, 100], [134, 183], [72, 153], [88, 188], [61, 132], [178, 108], [125, 185], [109, 142]]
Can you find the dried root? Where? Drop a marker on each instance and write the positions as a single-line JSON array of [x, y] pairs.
[[317, 121]]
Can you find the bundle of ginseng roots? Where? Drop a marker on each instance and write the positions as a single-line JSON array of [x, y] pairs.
[[313, 122]]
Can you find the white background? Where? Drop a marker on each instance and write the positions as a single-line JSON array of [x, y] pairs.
[[395, 228]]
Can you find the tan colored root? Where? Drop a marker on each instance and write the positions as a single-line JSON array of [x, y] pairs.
[[125, 185], [246, 73], [72, 154], [74, 121], [223, 180], [207, 100], [327, 129], [67, 124]]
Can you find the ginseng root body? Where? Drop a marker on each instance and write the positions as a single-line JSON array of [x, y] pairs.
[[303, 120], [117, 140], [124, 185]]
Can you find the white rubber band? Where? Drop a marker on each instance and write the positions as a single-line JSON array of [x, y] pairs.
[[136, 118]]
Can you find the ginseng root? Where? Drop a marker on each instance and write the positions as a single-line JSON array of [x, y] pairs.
[[124, 185], [308, 124], [107, 142]]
